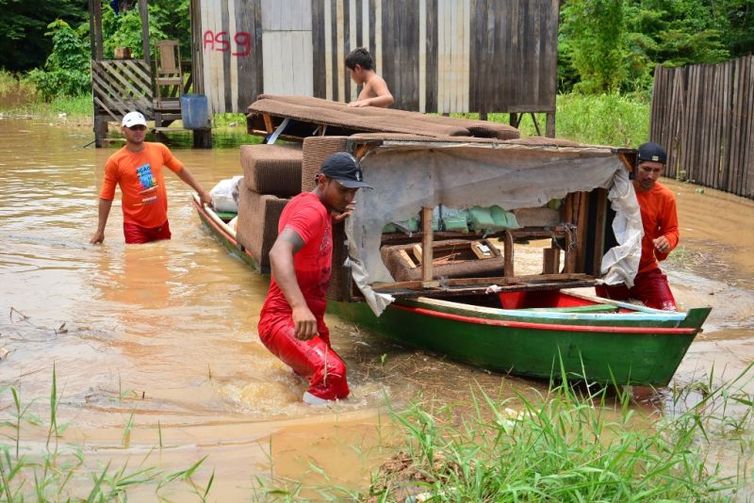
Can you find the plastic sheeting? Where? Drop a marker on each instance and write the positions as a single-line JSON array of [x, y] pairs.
[[408, 176]]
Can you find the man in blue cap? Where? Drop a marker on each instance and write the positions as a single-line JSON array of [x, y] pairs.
[[660, 221], [291, 323]]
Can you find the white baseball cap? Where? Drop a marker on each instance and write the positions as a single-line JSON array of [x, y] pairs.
[[133, 119]]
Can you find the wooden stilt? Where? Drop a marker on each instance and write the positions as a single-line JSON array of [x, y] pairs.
[[427, 239]]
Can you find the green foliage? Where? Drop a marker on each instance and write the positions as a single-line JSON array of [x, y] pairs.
[[593, 36], [614, 45], [66, 72], [23, 44], [678, 33], [738, 32], [124, 30], [607, 119]]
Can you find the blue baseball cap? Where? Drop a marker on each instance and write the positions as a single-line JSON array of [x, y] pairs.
[[344, 169]]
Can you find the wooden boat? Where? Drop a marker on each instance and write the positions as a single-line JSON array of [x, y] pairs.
[[478, 310], [217, 224], [542, 333]]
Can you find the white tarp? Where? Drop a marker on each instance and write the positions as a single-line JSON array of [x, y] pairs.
[[408, 176]]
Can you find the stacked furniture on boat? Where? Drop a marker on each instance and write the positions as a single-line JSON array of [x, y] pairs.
[[317, 128], [272, 174], [322, 127], [430, 259]]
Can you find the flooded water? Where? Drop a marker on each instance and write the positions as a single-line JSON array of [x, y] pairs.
[[156, 345]]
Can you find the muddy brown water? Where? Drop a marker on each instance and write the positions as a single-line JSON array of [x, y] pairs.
[[162, 337]]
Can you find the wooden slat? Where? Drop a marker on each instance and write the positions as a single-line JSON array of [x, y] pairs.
[[427, 250], [461, 286], [747, 183], [581, 224], [126, 87], [115, 116], [508, 264], [105, 92]]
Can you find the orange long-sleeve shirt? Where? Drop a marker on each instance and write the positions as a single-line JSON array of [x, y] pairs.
[[139, 175], [659, 218]]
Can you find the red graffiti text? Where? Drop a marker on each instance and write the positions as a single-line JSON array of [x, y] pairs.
[[239, 44]]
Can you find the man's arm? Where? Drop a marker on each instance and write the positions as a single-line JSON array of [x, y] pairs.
[[287, 244], [188, 178], [669, 228], [103, 213]]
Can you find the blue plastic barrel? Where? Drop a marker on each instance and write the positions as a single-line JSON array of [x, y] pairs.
[[195, 111]]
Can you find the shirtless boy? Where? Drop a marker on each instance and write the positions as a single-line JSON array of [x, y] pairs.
[[374, 92]]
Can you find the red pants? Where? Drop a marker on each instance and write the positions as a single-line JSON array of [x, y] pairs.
[[136, 234], [313, 359], [650, 287]]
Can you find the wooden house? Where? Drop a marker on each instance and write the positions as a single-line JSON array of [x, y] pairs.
[[441, 56]]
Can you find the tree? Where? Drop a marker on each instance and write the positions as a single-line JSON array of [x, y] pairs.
[[23, 44], [593, 34], [66, 71], [738, 26]]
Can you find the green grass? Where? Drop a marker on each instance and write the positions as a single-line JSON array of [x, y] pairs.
[[616, 120], [59, 473], [567, 445]]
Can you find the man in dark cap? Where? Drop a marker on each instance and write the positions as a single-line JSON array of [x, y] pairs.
[[291, 323], [660, 222]]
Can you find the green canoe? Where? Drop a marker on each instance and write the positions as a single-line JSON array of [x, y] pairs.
[[596, 339]]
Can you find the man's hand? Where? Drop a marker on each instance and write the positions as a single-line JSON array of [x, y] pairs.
[[661, 244], [359, 104], [205, 198], [97, 238], [339, 217], [305, 322]]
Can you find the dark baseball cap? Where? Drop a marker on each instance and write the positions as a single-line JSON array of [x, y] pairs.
[[344, 168], [652, 152]]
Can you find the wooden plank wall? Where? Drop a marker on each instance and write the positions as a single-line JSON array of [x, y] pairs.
[[228, 52], [704, 116], [436, 55]]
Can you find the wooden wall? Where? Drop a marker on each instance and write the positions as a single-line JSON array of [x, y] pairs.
[[436, 55], [704, 116]]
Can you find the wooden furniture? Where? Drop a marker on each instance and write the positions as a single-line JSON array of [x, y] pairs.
[[168, 84]]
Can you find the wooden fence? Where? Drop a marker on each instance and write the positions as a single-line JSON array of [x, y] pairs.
[[704, 116]]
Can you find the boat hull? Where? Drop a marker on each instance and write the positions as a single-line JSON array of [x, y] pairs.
[[224, 234], [610, 349]]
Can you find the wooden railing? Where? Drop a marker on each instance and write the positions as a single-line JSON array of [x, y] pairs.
[[121, 86]]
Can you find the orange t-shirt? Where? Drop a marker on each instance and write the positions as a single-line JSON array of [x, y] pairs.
[[139, 175], [659, 218]]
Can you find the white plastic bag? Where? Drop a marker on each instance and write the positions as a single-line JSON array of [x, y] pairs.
[[225, 194]]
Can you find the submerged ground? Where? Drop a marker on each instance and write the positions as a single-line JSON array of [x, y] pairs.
[[155, 347]]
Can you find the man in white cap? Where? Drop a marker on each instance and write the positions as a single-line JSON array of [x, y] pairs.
[[292, 323], [137, 170], [660, 221]]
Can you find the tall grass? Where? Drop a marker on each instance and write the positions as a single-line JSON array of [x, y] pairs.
[[15, 92], [568, 446], [607, 119], [19, 97], [51, 474]]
